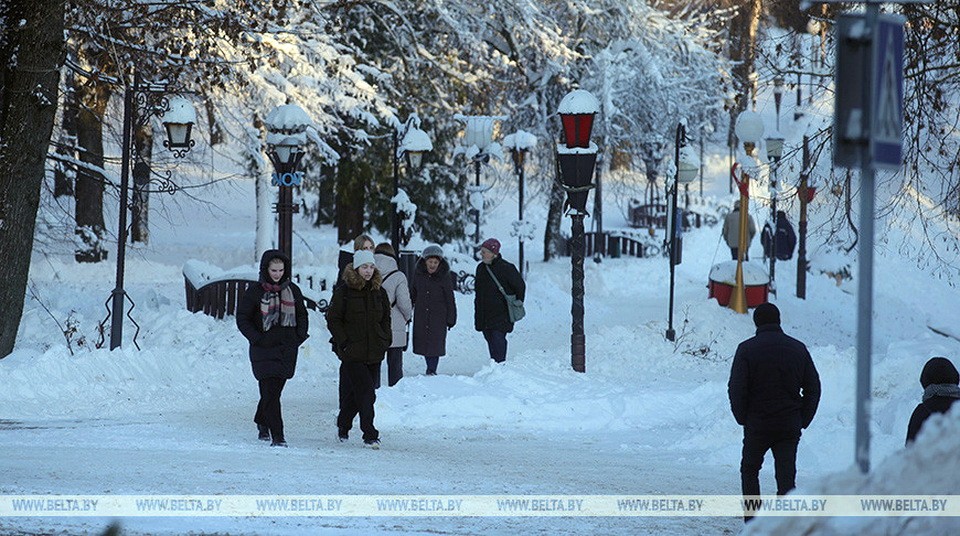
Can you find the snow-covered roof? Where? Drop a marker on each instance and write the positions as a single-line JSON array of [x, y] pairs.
[[181, 111], [520, 140], [289, 119], [579, 101]]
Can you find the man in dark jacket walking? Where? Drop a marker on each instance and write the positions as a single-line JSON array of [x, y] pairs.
[[941, 388], [273, 318], [491, 316], [774, 392]]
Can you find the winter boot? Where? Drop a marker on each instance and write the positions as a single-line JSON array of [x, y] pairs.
[[263, 433], [372, 443], [279, 443], [342, 434]]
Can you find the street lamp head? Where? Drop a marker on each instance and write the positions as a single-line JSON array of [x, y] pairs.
[[749, 129], [287, 150], [774, 149], [577, 111], [178, 121], [479, 131], [688, 166], [778, 85], [415, 143], [519, 143]]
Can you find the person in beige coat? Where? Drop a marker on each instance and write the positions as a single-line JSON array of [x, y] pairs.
[[401, 310], [731, 231]]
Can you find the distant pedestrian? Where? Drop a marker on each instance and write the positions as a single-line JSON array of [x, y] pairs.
[[401, 310], [491, 316], [731, 231], [273, 317], [434, 308], [941, 388], [774, 392], [359, 321]]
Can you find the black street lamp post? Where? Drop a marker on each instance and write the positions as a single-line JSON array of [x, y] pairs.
[[774, 153], [777, 96], [686, 171], [141, 102], [519, 144], [286, 134], [478, 135], [576, 159], [408, 140]]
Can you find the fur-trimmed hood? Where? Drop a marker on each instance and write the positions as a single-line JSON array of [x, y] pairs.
[[355, 281]]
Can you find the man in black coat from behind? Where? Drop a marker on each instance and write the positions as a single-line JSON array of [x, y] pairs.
[[774, 391], [941, 388]]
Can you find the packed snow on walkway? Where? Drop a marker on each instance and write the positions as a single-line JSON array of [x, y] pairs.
[[648, 417]]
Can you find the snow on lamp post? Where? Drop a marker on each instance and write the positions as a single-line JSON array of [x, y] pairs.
[[478, 145], [577, 157], [143, 101], [687, 167], [286, 134], [519, 144], [408, 140], [749, 130]]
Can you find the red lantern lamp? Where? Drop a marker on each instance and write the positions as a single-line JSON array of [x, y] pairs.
[[577, 111]]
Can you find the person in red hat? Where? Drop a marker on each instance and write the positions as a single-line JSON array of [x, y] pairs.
[[495, 278]]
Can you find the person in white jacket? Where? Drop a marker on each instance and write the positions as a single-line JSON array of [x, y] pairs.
[[401, 310]]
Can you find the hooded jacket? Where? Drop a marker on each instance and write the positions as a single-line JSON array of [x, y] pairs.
[[434, 307], [490, 307], [359, 318], [398, 292], [731, 229], [273, 354], [938, 376]]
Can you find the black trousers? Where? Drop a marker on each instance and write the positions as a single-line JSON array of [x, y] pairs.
[[755, 446], [497, 344], [735, 251], [357, 395], [268, 409]]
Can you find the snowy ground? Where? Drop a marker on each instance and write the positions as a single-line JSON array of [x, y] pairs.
[[648, 417]]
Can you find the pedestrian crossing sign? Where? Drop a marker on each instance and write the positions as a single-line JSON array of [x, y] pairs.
[[886, 129]]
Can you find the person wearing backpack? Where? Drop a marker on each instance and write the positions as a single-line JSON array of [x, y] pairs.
[[401, 310], [496, 279], [434, 308]]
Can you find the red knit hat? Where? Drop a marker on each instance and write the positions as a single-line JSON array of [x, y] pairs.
[[491, 244]]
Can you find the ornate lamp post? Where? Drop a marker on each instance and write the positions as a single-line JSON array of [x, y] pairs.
[[576, 158], [688, 167], [774, 153], [777, 96], [519, 144], [408, 140], [749, 129], [805, 191], [478, 143], [141, 102], [286, 134]]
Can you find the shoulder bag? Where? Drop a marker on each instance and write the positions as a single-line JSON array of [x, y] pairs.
[[514, 306]]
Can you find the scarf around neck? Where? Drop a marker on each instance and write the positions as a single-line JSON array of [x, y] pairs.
[[941, 389], [277, 305]]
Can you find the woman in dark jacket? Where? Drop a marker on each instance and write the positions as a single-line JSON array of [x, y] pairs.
[[434, 309], [941, 388], [491, 316], [359, 321], [273, 317]]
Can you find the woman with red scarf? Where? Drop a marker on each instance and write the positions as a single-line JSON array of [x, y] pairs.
[[273, 317]]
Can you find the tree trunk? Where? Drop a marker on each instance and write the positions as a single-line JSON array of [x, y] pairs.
[[743, 53], [140, 201], [552, 239], [27, 111], [63, 173], [90, 229], [352, 178]]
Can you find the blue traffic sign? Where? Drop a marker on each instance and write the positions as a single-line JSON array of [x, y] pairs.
[[886, 110]]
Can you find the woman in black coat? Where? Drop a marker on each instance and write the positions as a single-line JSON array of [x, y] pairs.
[[359, 321], [491, 316], [941, 388], [273, 318], [434, 309]]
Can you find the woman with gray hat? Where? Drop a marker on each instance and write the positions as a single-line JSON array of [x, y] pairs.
[[434, 309]]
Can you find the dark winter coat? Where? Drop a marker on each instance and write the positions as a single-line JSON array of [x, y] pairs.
[[489, 305], [774, 385], [786, 238], [359, 318], [434, 309], [273, 354], [938, 372], [398, 292]]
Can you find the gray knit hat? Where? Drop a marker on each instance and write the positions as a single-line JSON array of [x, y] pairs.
[[432, 250]]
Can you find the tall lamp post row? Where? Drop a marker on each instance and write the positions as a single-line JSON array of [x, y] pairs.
[[576, 159], [143, 101], [687, 169]]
